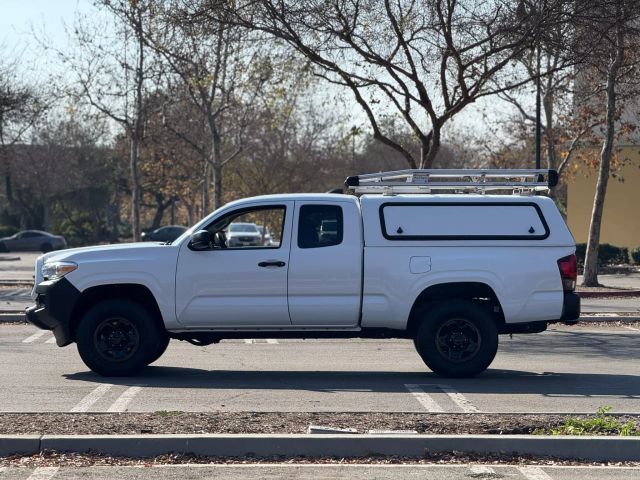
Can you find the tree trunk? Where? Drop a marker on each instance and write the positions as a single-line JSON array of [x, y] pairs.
[[160, 208], [206, 187], [429, 148], [135, 187], [216, 165], [591, 258], [136, 133]]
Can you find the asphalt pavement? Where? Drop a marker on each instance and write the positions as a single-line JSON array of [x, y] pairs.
[[566, 369], [319, 472]]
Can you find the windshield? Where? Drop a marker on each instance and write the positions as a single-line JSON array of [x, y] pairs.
[[243, 227]]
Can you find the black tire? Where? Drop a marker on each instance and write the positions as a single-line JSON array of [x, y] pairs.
[[161, 347], [457, 339], [3, 247], [46, 247], [118, 337]]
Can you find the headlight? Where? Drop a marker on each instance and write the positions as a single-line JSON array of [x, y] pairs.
[[54, 270]]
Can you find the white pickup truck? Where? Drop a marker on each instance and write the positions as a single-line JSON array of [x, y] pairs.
[[451, 271]]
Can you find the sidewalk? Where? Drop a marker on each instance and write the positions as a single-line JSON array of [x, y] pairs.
[[629, 281]]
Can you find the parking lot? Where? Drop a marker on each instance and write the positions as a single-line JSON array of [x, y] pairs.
[[309, 472], [566, 369]]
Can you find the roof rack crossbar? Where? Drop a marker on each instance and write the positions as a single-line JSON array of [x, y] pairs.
[[518, 181]]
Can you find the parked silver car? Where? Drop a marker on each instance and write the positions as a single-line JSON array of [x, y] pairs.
[[32, 240], [243, 235]]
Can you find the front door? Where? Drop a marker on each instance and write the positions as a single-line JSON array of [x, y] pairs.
[[241, 282]]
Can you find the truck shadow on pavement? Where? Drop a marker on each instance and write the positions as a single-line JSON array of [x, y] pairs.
[[493, 381]]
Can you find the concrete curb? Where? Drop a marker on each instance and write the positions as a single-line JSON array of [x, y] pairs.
[[11, 317], [587, 448], [619, 293], [22, 444], [608, 317]]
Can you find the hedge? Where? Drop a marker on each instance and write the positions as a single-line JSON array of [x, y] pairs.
[[635, 254], [7, 230], [607, 254]]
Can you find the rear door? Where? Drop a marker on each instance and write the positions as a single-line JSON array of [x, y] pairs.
[[325, 266]]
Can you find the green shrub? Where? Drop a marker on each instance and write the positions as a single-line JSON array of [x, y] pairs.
[[607, 254], [635, 254], [7, 230], [601, 424]]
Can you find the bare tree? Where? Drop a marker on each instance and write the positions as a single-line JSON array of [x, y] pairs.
[[222, 70], [111, 70], [610, 30], [20, 108], [427, 59]]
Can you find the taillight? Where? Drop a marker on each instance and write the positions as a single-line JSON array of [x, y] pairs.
[[568, 272]]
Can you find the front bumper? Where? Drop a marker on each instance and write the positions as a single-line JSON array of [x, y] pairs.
[[55, 301], [570, 308]]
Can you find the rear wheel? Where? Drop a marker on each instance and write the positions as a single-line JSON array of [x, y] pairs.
[[46, 247], [118, 337], [3, 247], [457, 338]]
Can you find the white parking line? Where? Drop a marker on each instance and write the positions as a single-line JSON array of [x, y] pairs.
[[459, 399], [534, 473], [272, 341], [97, 393], [248, 340], [43, 473], [632, 328], [120, 405], [51, 340], [34, 337], [424, 398], [482, 470]]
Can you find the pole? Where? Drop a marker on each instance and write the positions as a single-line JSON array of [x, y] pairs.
[[538, 102]]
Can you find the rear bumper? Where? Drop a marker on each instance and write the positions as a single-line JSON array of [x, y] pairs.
[[55, 301], [570, 308]]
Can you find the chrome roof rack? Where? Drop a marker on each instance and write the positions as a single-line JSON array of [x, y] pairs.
[[513, 181]]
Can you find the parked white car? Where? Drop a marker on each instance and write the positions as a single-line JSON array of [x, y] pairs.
[[451, 271]]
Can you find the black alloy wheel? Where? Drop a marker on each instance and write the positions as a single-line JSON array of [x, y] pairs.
[[457, 338], [116, 339], [119, 337]]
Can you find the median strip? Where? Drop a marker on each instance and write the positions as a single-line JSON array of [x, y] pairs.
[[590, 448]]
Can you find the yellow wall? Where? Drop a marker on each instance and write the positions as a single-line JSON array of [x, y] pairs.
[[621, 218]]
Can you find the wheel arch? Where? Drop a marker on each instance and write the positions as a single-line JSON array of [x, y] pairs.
[[479, 292], [131, 291]]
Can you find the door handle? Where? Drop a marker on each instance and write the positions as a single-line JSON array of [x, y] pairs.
[[272, 263]]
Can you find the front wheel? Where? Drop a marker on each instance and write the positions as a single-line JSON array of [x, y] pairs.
[[118, 337], [457, 338]]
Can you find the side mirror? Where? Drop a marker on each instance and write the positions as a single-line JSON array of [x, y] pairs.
[[200, 241]]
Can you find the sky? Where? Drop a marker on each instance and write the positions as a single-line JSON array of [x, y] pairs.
[[19, 19]]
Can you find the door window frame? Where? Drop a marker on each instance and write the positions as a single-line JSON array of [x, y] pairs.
[[243, 210]]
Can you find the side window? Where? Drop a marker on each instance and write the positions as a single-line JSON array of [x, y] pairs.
[[320, 226], [243, 229]]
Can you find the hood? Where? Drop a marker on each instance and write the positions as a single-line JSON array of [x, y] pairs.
[[95, 253]]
